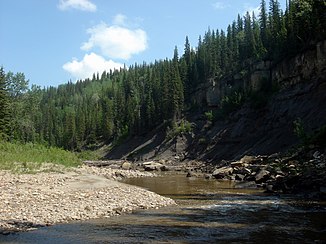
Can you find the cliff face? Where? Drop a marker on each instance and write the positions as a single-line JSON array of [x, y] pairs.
[[248, 131], [302, 82], [302, 67], [268, 130]]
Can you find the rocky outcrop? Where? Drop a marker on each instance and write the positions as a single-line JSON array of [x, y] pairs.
[[302, 67], [288, 72], [302, 172]]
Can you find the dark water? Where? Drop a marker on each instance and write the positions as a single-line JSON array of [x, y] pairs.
[[207, 212]]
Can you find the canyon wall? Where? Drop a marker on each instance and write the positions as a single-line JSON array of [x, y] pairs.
[[291, 71]]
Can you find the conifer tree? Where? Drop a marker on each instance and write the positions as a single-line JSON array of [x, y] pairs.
[[263, 16], [4, 106]]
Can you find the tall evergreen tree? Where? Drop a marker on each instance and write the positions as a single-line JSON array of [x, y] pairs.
[[4, 106], [263, 17], [132, 101]]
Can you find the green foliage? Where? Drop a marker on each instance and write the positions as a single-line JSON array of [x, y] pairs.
[[128, 102], [178, 129], [209, 115], [121, 136], [17, 84], [232, 102], [88, 155], [4, 107], [13, 155], [299, 131], [317, 138], [202, 141]]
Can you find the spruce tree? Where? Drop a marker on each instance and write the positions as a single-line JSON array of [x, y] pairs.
[[4, 106], [263, 24]]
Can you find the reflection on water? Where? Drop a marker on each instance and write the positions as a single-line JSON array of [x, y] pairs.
[[207, 211]]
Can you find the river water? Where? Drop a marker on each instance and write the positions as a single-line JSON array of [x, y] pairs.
[[208, 211]]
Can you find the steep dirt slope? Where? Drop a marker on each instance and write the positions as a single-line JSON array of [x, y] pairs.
[[248, 131], [268, 130]]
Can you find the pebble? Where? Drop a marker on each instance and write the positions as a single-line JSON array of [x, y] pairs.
[[29, 201]]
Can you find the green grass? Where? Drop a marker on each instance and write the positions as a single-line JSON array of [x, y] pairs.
[[30, 157], [89, 155]]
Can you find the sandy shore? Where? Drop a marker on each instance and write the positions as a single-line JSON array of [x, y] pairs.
[[28, 201]]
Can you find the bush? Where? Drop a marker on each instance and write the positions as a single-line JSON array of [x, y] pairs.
[[232, 102], [202, 141], [209, 116], [317, 138], [88, 155], [299, 131], [182, 128]]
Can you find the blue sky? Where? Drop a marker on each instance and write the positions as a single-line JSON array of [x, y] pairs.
[[54, 41]]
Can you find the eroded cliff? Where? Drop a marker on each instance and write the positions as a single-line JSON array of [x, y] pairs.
[[254, 130]]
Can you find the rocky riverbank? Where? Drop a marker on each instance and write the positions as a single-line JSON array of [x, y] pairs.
[[29, 201], [301, 172], [274, 173]]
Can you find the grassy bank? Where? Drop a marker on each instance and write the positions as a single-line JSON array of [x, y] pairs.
[[32, 157]]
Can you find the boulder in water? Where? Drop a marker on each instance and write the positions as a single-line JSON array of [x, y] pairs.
[[262, 176], [247, 184], [221, 173]]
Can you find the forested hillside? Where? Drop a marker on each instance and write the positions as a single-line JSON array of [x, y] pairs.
[[134, 100]]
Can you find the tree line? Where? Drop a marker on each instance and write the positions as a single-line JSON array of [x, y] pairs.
[[132, 101]]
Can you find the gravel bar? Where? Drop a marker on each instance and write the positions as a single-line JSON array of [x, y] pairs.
[[29, 201]]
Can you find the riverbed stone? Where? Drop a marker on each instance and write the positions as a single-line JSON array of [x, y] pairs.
[[262, 176], [30, 201], [222, 172], [246, 184], [208, 176], [237, 164], [322, 189], [152, 166], [239, 177], [269, 188], [126, 166]]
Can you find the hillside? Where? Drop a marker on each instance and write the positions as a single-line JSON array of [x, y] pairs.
[[252, 129], [255, 88]]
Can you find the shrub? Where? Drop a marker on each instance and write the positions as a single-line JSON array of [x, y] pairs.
[[209, 115], [232, 102], [182, 128], [299, 131], [202, 141]]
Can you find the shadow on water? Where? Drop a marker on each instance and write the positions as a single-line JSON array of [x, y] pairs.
[[207, 212]]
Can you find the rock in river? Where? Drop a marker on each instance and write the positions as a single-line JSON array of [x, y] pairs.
[[262, 176], [220, 173], [151, 166]]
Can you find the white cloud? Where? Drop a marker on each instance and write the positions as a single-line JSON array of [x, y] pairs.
[[90, 64], [120, 20], [250, 9], [220, 5], [116, 41], [84, 5]]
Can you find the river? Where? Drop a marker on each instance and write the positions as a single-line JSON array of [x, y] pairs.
[[208, 211]]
